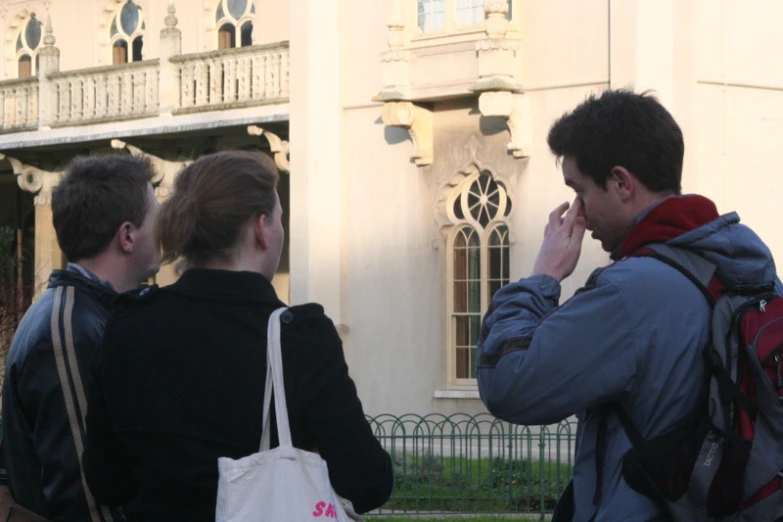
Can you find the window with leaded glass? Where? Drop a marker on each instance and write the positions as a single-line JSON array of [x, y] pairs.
[[127, 34], [478, 265], [234, 20], [27, 44]]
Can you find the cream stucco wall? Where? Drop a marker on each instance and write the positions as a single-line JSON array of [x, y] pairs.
[[82, 27], [710, 63], [394, 259], [365, 240]]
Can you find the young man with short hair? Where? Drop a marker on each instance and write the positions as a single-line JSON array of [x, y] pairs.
[[635, 334], [103, 211]]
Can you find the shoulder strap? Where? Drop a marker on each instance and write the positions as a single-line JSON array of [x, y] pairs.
[[702, 274], [274, 383], [72, 385], [690, 264]]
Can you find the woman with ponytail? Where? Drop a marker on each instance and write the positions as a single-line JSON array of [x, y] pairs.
[[183, 368]]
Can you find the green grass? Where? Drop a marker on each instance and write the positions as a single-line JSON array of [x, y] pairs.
[[434, 484]]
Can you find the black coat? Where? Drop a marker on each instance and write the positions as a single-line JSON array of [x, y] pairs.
[[183, 381], [48, 381]]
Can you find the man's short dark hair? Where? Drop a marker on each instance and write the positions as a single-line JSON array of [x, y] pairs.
[[626, 129], [95, 196]]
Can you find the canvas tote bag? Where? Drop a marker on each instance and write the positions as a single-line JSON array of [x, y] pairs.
[[285, 484]]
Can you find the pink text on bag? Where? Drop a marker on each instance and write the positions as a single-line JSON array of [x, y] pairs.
[[322, 509]]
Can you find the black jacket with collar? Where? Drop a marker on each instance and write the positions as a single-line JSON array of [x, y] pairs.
[[48, 380], [183, 375]]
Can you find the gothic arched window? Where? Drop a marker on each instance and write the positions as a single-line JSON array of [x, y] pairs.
[[478, 256], [234, 19], [127, 34], [27, 44]]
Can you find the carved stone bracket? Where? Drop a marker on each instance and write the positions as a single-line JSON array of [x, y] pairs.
[[515, 109], [398, 109], [34, 180], [281, 149], [395, 64], [163, 179], [419, 123], [500, 95]]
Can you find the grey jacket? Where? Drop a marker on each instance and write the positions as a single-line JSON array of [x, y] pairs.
[[636, 336]]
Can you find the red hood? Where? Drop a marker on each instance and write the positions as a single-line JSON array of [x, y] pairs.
[[670, 219]]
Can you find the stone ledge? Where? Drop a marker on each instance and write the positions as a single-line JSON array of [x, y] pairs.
[[457, 394]]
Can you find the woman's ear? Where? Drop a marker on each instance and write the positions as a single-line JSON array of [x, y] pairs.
[[260, 231]]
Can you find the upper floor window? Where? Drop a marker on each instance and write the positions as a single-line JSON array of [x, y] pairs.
[[234, 20], [469, 12], [444, 15], [478, 253], [27, 44], [127, 34], [432, 15]]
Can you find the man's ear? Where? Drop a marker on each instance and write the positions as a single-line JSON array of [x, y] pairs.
[[623, 182], [125, 237], [260, 231]]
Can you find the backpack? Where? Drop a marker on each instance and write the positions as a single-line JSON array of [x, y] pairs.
[[724, 462]]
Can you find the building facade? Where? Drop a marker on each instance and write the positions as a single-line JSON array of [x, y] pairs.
[[410, 134]]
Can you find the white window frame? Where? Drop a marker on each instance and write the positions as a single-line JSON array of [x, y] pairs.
[[450, 25], [228, 18], [121, 35], [26, 50], [484, 234]]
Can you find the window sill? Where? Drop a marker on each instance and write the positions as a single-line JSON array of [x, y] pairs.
[[457, 394]]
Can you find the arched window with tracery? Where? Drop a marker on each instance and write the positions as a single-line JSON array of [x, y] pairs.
[[234, 19], [127, 34], [27, 44], [478, 262]]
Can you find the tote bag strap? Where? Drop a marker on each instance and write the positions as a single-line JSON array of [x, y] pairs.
[[274, 382]]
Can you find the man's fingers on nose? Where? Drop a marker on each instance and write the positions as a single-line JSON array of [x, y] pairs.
[[555, 218]]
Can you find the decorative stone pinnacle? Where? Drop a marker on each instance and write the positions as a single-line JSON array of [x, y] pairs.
[[49, 39], [171, 20]]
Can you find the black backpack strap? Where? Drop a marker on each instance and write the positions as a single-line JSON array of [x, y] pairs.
[[638, 442], [693, 266], [600, 441], [600, 453], [702, 274]]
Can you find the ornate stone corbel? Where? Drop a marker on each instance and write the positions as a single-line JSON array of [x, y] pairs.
[[419, 123], [281, 149], [515, 109], [163, 179], [500, 96], [34, 180], [395, 93], [395, 65]]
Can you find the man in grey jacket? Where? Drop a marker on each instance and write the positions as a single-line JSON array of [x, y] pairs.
[[635, 333]]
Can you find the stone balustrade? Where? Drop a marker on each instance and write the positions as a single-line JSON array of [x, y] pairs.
[[19, 105], [100, 94], [219, 80], [232, 78]]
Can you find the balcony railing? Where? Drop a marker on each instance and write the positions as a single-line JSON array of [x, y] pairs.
[[232, 78], [220, 80], [19, 105], [108, 93]]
